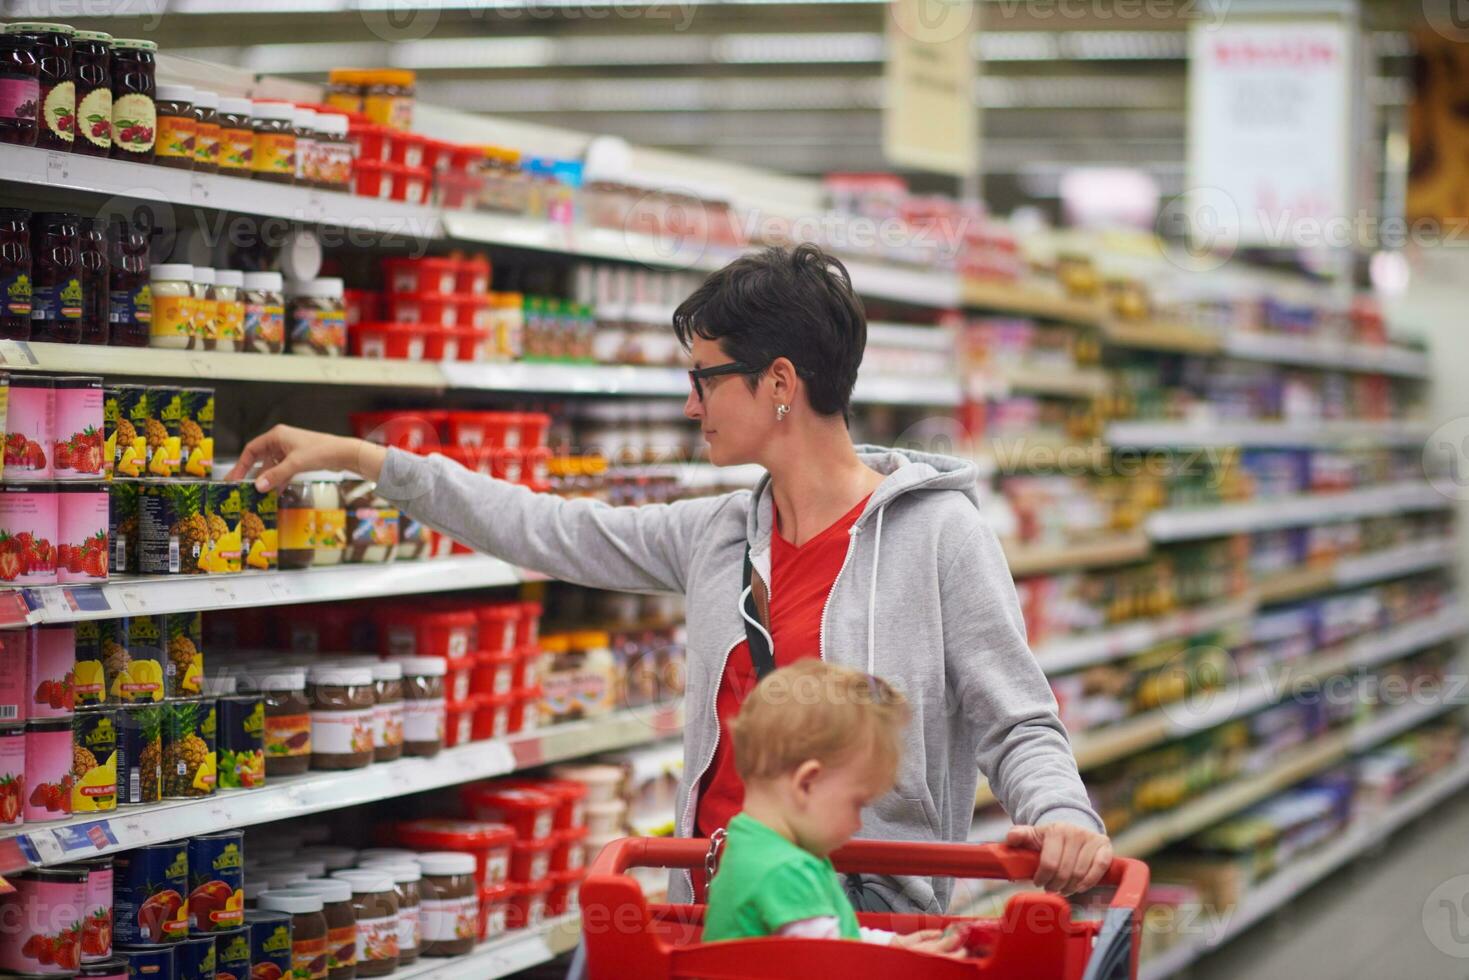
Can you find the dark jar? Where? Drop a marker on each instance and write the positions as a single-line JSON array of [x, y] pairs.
[[130, 291], [134, 118], [56, 280], [20, 91], [275, 142], [177, 127], [52, 46], [206, 131], [15, 274], [96, 289], [92, 59]]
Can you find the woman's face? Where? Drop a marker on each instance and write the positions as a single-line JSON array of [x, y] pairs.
[[735, 421]]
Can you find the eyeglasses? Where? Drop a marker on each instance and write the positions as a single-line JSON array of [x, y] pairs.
[[698, 375]]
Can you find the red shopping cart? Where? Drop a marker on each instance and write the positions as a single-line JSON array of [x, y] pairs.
[[1035, 938]]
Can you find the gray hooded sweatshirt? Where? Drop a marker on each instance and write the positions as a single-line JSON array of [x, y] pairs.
[[924, 600]]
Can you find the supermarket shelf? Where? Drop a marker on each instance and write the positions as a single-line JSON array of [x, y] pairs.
[[1114, 549], [1363, 835], [1265, 434], [178, 593], [569, 379], [168, 189], [503, 956], [1018, 453], [912, 336], [279, 799], [1113, 643], [1295, 583], [1152, 335], [1408, 559], [879, 390], [1004, 297], [1368, 358], [1060, 381], [1187, 523]]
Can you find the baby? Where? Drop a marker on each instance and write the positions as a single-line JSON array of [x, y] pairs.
[[814, 744]]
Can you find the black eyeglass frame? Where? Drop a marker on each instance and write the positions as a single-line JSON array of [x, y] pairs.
[[697, 375]]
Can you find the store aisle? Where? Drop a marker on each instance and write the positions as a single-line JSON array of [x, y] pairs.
[[1365, 922]]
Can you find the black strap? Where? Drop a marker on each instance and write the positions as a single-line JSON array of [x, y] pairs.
[[761, 656]]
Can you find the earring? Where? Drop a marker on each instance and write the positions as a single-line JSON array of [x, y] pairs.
[[781, 411]]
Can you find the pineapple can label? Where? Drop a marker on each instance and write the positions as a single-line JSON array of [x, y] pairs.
[[259, 536], [224, 510], [94, 761], [89, 678], [149, 889], [189, 760], [173, 526], [241, 741], [196, 432], [139, 753], [125, 426], [122, 527], [136, 673], [184, 669], [164, 429]]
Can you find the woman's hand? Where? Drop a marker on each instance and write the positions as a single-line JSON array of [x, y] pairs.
[[1073, 858], [936, 941], [285, 451]]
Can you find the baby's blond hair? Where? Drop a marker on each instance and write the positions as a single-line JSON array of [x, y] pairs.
[[816, 710]]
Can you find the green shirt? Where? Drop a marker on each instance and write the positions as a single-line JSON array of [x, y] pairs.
[[765, 882]]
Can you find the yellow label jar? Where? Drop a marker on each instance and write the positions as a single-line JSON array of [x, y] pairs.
[[172, 286], [275, 142]]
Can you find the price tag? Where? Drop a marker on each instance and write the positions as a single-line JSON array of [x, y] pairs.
[[278, 588], [315, 206], [17, 354], [134, 601], [95, 835], [224, 595], [199, 189], [14, 610], [203, 367], [58, 168]]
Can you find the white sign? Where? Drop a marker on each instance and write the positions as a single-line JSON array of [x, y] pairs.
[[930, 120], [1270, 145]]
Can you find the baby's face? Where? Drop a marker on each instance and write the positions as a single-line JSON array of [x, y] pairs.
[[832, 813]]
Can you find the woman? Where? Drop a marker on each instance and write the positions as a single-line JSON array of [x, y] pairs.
[[868, 557]]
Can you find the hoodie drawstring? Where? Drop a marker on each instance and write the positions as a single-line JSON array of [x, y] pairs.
[[872, 598]]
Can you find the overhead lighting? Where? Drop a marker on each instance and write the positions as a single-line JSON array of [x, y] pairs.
[[772, 49]]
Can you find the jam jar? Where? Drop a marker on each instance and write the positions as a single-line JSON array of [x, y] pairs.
[[20, 91], [450, 903], [376, 903], [275, 142], [92, 60], [52, 46], [134, 118], [56, 294], [206, 131], [287, 722], [130, 303], [96, 292], [176, 127], [15, 273], [236, 137]]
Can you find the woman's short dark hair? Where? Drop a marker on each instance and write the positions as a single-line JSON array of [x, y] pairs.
[[784, 302]]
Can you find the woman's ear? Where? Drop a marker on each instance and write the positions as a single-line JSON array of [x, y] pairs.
[[783, 376]]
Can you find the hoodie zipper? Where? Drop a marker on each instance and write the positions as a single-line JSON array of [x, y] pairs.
[[694, 784], [851, 550]]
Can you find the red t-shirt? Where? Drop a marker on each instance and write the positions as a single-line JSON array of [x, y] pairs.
[[801, 580]]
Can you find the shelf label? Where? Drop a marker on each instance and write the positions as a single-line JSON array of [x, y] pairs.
[[198, 189], [18, 853], [224, 595], [58, 170], [14, 610], [528, 752], [17, 353], [95, 835], [202, 366]]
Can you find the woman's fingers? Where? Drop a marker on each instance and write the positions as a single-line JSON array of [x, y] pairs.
[[1096, 858], [1066, 877], [255, 450]]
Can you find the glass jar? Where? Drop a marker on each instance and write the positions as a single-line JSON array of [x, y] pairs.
[[20, 91], [236, 137], [344, 89], [206, 131], [333, 152], [275, 142], [387, 721], [387, 97], [230, 316], [423, 705], [341, 924], [296, 524], [172, 290], [342, 706], [130, 304], [308, 929], [96, 290], [450, 903], [52, 46], [318, 317], [56, 280], [406, 878], [265, 313], [92, 60], [304, 124], [15, 272], [204, 331], [134, 118], [376, 904], [176, 127], [287, 722]]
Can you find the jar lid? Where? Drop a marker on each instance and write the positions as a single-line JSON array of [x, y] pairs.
[[341, 676], [282, 680], [304, 118], [387, 670], [235, 106], [334, 857], [206, 100], [229, 277], [366, 880], [279, 876], [204, 275], [255, 887], [282, 111], [401, 870], [446, 863], [39, 27], [315, 288], [172, 272], [388, 76], [268, 281], [174, 93], [301, 255], [347, 76], [330, 889], [134, 44], [384, 853], [294, 902], [423, 666], [94, 36], [331, 123]]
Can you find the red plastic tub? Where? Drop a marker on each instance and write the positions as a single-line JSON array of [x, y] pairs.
[[537, 465], [528, 626], [440, 343], [424, 277], [456, 191], [510, 465], [492, 719], [533, 429], [528, 667], [474, 276], [434, 309], [459, 721], [488, 841], [411, 185], [528, 908], [565, 894], [571, 800], [379, 339], [415, 431], [459, 678], [530, 860], [362, 306], [371, 140], [494, 903], [405, 632], [571, 849], [474, 311], [495, 672], [370, 178], [497, 625], [526, 715], [531, 812], [473, 343], [409, 149]]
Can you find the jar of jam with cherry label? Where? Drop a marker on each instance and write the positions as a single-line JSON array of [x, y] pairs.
[[56, 290], [134, 118], [20, 91], [15, 274], [92, 59], [52, 46]]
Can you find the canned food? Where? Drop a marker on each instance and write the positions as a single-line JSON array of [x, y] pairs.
[[195, 959], [78, 421], [125, 419], [223, 510], [149, 964], [174, 528], [196, 432], [30, 428], [258, 534], [184, 670], [137, 670], [94, 761], [217, 882], [140, 753], [15, 662], [270, 945], [241, 744], [12, 776], [122, 526], [165, 446], [89, 677], [51, 672], [149, 885], [189, 761], [43, 917], [81, 533], [115, 968], [28, 529], [48, 769], [97, 913], [232, 955]]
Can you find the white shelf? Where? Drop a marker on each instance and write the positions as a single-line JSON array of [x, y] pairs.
[[503, 956], [185, 593], [1288, 882], [1187, 523], [910, 336], [1058, 381], [315, 792], [1420, 556], [1113, 643], [1375, 648], [880, 390], [569, 379], [1265, 434], [1308, 352]]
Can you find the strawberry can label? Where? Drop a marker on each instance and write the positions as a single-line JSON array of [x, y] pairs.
[[48, 770], [82, 546], [12, 776], [28, 533], [15, 665], [150, 885], [51, 673], [97, 920], [30, 428], [79, 439], [217, 882], [43, 922]]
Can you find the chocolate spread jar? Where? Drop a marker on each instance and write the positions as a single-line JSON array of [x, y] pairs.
[[450, 908], [376, 904], [341, 924], [406, 876], [423, 705], [342, 707], [308, 930], [387, 720]]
